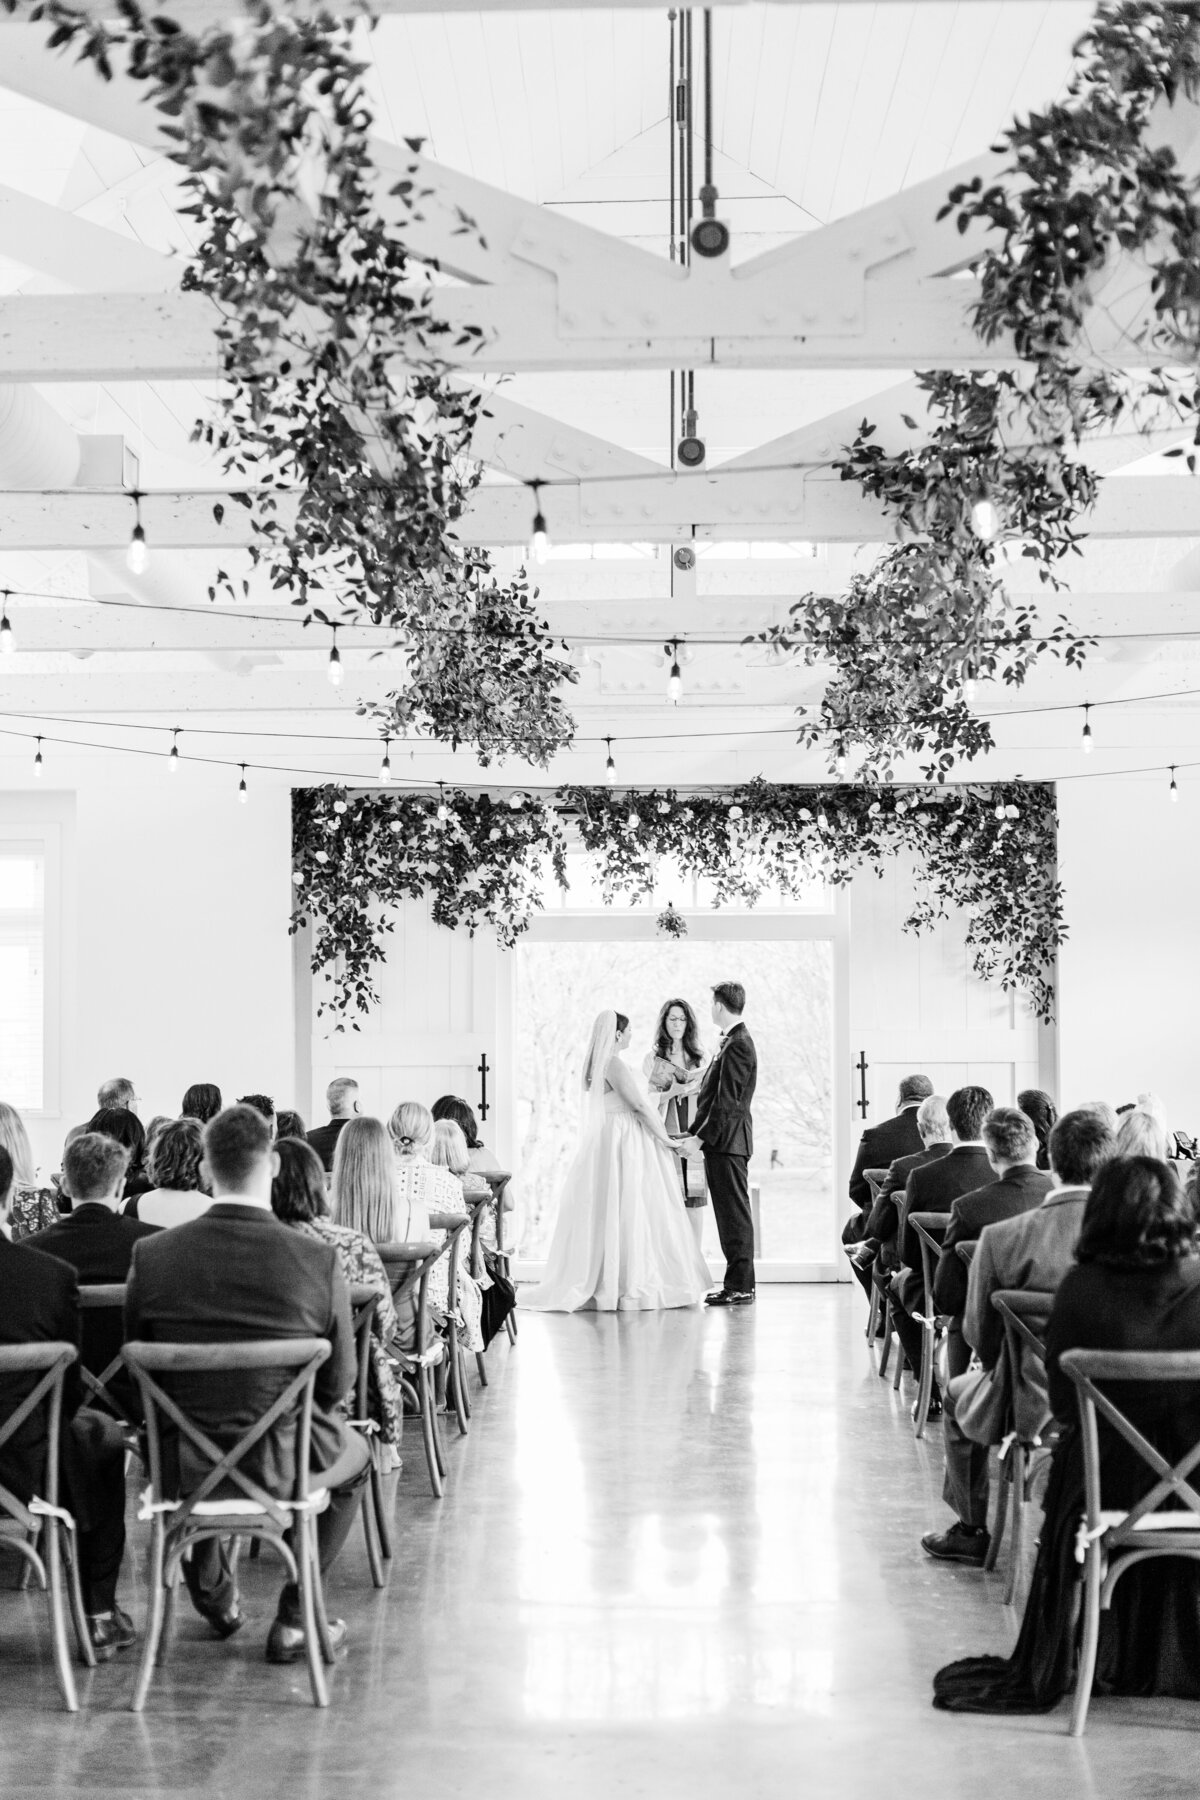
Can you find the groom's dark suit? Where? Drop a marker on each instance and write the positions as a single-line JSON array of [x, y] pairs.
[[725, 1129]]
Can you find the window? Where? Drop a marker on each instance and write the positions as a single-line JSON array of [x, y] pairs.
[[22, 975]]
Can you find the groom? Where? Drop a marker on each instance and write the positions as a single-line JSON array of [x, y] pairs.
[[725, 1133]]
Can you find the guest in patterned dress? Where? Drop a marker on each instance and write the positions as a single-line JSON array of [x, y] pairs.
[[435, 1190], [33, 1208], [480, 1158], [450, 1152], [298, 1199]]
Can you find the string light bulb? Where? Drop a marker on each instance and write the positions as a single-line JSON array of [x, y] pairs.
[[37, 761], [137, 557], [539, 539], [335, 662], [385, 767], [443, 811], [840, 762], [1086, 741], [173, 755], [822, 820], [610, 767], [1172, 791], [968, 686], [985, 519], [243, 790], [675, 678], [8, 637]]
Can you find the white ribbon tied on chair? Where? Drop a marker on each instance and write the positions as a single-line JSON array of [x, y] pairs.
[[42, 1509], [317, 1501]]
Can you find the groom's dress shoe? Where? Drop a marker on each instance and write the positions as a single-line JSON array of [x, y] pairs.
[[726, 1297]]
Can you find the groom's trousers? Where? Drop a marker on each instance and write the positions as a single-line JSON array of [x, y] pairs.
[[728, 1180]]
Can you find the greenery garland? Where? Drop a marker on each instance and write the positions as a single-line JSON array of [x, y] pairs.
[[989, 850], [335, 392], [1086, 182]]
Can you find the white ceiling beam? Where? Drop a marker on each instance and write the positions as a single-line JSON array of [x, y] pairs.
[[709, 506], [526, 444], [196, 15], [72, 250]]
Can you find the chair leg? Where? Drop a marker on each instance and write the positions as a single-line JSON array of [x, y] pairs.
[[873, 1314], [379, 1502], [367, 1509], [58, 1621], [886, 1353], [997, 1537], [901, 1363], [154, 1616], [1086, 1671], [455, 1386], [510, 1325], [305, 1547], [481, 1367], [428, 1430], [925, 1388], [1017, 1535], [83, 1636]]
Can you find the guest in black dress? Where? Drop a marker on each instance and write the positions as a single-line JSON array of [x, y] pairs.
[[1136, 1286]]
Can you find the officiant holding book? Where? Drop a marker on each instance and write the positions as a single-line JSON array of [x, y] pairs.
[[724, 1133]]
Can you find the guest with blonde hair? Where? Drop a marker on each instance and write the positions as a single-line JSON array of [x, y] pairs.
[[363, 1186], [420, 1183], [32, 1208], [1142, 1133]]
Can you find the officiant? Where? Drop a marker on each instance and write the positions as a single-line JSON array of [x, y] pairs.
[[674, 1069]]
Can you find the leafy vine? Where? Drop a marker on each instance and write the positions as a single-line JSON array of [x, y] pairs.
[[989, 850], [338, 422]]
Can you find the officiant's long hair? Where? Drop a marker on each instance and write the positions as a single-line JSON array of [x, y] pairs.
[[691, 1034]]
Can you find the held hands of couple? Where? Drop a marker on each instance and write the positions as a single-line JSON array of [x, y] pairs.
[[687, 1146]]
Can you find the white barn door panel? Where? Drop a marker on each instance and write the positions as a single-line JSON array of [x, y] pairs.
[[916, 1006], [436, 1019]]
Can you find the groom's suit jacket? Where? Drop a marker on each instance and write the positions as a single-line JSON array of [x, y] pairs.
[[722, 1121]]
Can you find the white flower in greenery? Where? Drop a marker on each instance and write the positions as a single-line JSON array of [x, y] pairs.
[[494, 835], [298, 878], [1012, 812], [339, 807], [735, 812], [322, 856]]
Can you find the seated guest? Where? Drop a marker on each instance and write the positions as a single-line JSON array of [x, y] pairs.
[[202, 1101], [879, 1147], [273, 1283], [125, 1128], [449, 1151], [1040, 1109], [1141, 1133], [1011, 1142], [265, 1106], [289, 1124], [177, 1194], [341, 1097], [298, 1198], [1031, 1252], [96, 1240], [482, 1160], [363, 1192], [117, 1093], [933, 1188], [152, 1130], [39, 1303], [1103, 1110], [878, 1248], [31, 1208], [419, 1185], [1135, 1286]]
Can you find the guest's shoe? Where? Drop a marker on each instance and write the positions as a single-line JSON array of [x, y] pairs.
[[285, 1643], [728, 1297], [935, 1409], [224, 1620], [961, 1544], [110, 1632]]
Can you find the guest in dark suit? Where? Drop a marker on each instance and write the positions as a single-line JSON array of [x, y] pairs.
[[1135, 1286], [341, 1097], [238, 1274], [39, 1303], [97, 1240], [723, 1131], [1012, 1147], [877, 1250], [879, 1147], [934, 1188]]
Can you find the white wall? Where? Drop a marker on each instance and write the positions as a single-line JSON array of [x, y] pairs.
[[1129, 974], [177, 960]]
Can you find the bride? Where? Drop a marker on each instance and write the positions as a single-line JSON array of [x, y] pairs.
[[622, 1241]]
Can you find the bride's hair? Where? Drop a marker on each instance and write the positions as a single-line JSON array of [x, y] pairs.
[[621, 1023], [691, 1033]]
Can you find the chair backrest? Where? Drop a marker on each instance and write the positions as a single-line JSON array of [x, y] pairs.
[[926, 1224], [1026, 1314], [1159, 1367], [966, 1251], [407, 1267], [45, 1364], [105, 1296], [363, 1302], [221, 1465]]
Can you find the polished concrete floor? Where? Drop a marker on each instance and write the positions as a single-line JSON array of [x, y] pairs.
[[678, 1556]]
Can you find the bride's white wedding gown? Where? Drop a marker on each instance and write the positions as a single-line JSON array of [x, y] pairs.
[[622, 1241]]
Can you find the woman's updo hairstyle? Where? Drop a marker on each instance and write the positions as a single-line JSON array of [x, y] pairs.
[[411, 1128]]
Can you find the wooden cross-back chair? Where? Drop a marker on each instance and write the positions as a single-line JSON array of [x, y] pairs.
[[363, 1304], [24, 1523], [1025, 1314], [875, 1179], [930, 1229], [106, 1296], [226, 1499], [454, 1225], [498, 1180], [1112, 1542], [408, 1267]]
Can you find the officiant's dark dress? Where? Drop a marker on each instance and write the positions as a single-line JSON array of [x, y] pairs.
[[1150, 1637], [725, 1129]]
